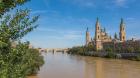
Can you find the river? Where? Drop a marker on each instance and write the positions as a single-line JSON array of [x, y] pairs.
[[59, 65]]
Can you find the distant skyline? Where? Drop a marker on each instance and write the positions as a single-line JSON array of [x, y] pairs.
[[63, 23]]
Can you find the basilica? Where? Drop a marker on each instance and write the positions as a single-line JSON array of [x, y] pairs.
[[101, 36]]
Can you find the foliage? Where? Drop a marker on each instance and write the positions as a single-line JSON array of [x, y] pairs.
[[109, 50], [90, 47], [76, 50], [16, 26], [7, 5], [110, 55], [137, 58], [130, 49], [20, 60], [81, 49]]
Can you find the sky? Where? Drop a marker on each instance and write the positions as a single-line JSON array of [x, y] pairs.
[[63, 23]]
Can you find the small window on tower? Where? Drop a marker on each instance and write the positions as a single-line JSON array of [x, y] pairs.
[[98, 28], [98, 36]]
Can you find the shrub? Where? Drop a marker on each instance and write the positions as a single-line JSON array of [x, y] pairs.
[[110, 55]]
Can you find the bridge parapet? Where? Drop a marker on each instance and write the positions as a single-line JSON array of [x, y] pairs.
[[57, 50]]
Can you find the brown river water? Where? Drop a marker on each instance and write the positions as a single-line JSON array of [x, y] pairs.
[[59, 65]]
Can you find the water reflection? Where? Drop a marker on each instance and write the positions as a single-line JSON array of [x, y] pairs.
[[59, 65]]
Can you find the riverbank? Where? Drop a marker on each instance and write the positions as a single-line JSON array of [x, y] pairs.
[[114, 55]]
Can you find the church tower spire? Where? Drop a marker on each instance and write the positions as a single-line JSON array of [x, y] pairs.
[[97, 30], [98, 35], [87, 37], [122, 31]]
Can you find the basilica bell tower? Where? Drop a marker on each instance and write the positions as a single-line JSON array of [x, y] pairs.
[[98, 42], [122, 31]]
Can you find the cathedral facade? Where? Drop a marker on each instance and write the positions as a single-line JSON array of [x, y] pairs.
[[101, 36]]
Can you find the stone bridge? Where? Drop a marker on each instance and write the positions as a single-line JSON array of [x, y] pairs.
[[56, 50]]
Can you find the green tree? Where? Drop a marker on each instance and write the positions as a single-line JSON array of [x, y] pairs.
[[7, 5], [90, 47], [130, 49], [109, 49], [18, 61], [110, 55], [16, 26]]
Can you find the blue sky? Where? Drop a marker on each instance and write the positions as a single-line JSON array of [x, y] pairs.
[[63, 23]]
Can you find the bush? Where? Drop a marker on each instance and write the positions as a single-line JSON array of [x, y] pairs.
[[20, 62], [110, 55], [109, 50], [82, 50], [137, 58]]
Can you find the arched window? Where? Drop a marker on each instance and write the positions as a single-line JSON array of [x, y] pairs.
[[98, 36]]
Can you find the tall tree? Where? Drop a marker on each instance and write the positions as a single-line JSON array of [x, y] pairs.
[[19, 61], [14, 27], [6, 5]]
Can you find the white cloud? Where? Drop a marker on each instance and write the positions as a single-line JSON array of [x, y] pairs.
[[61, 34], [38, 12], [83, 3], [120, 2], [44, 12], [75, 35], [100, 3], [46, 29], [131, 19], [86, 3]]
